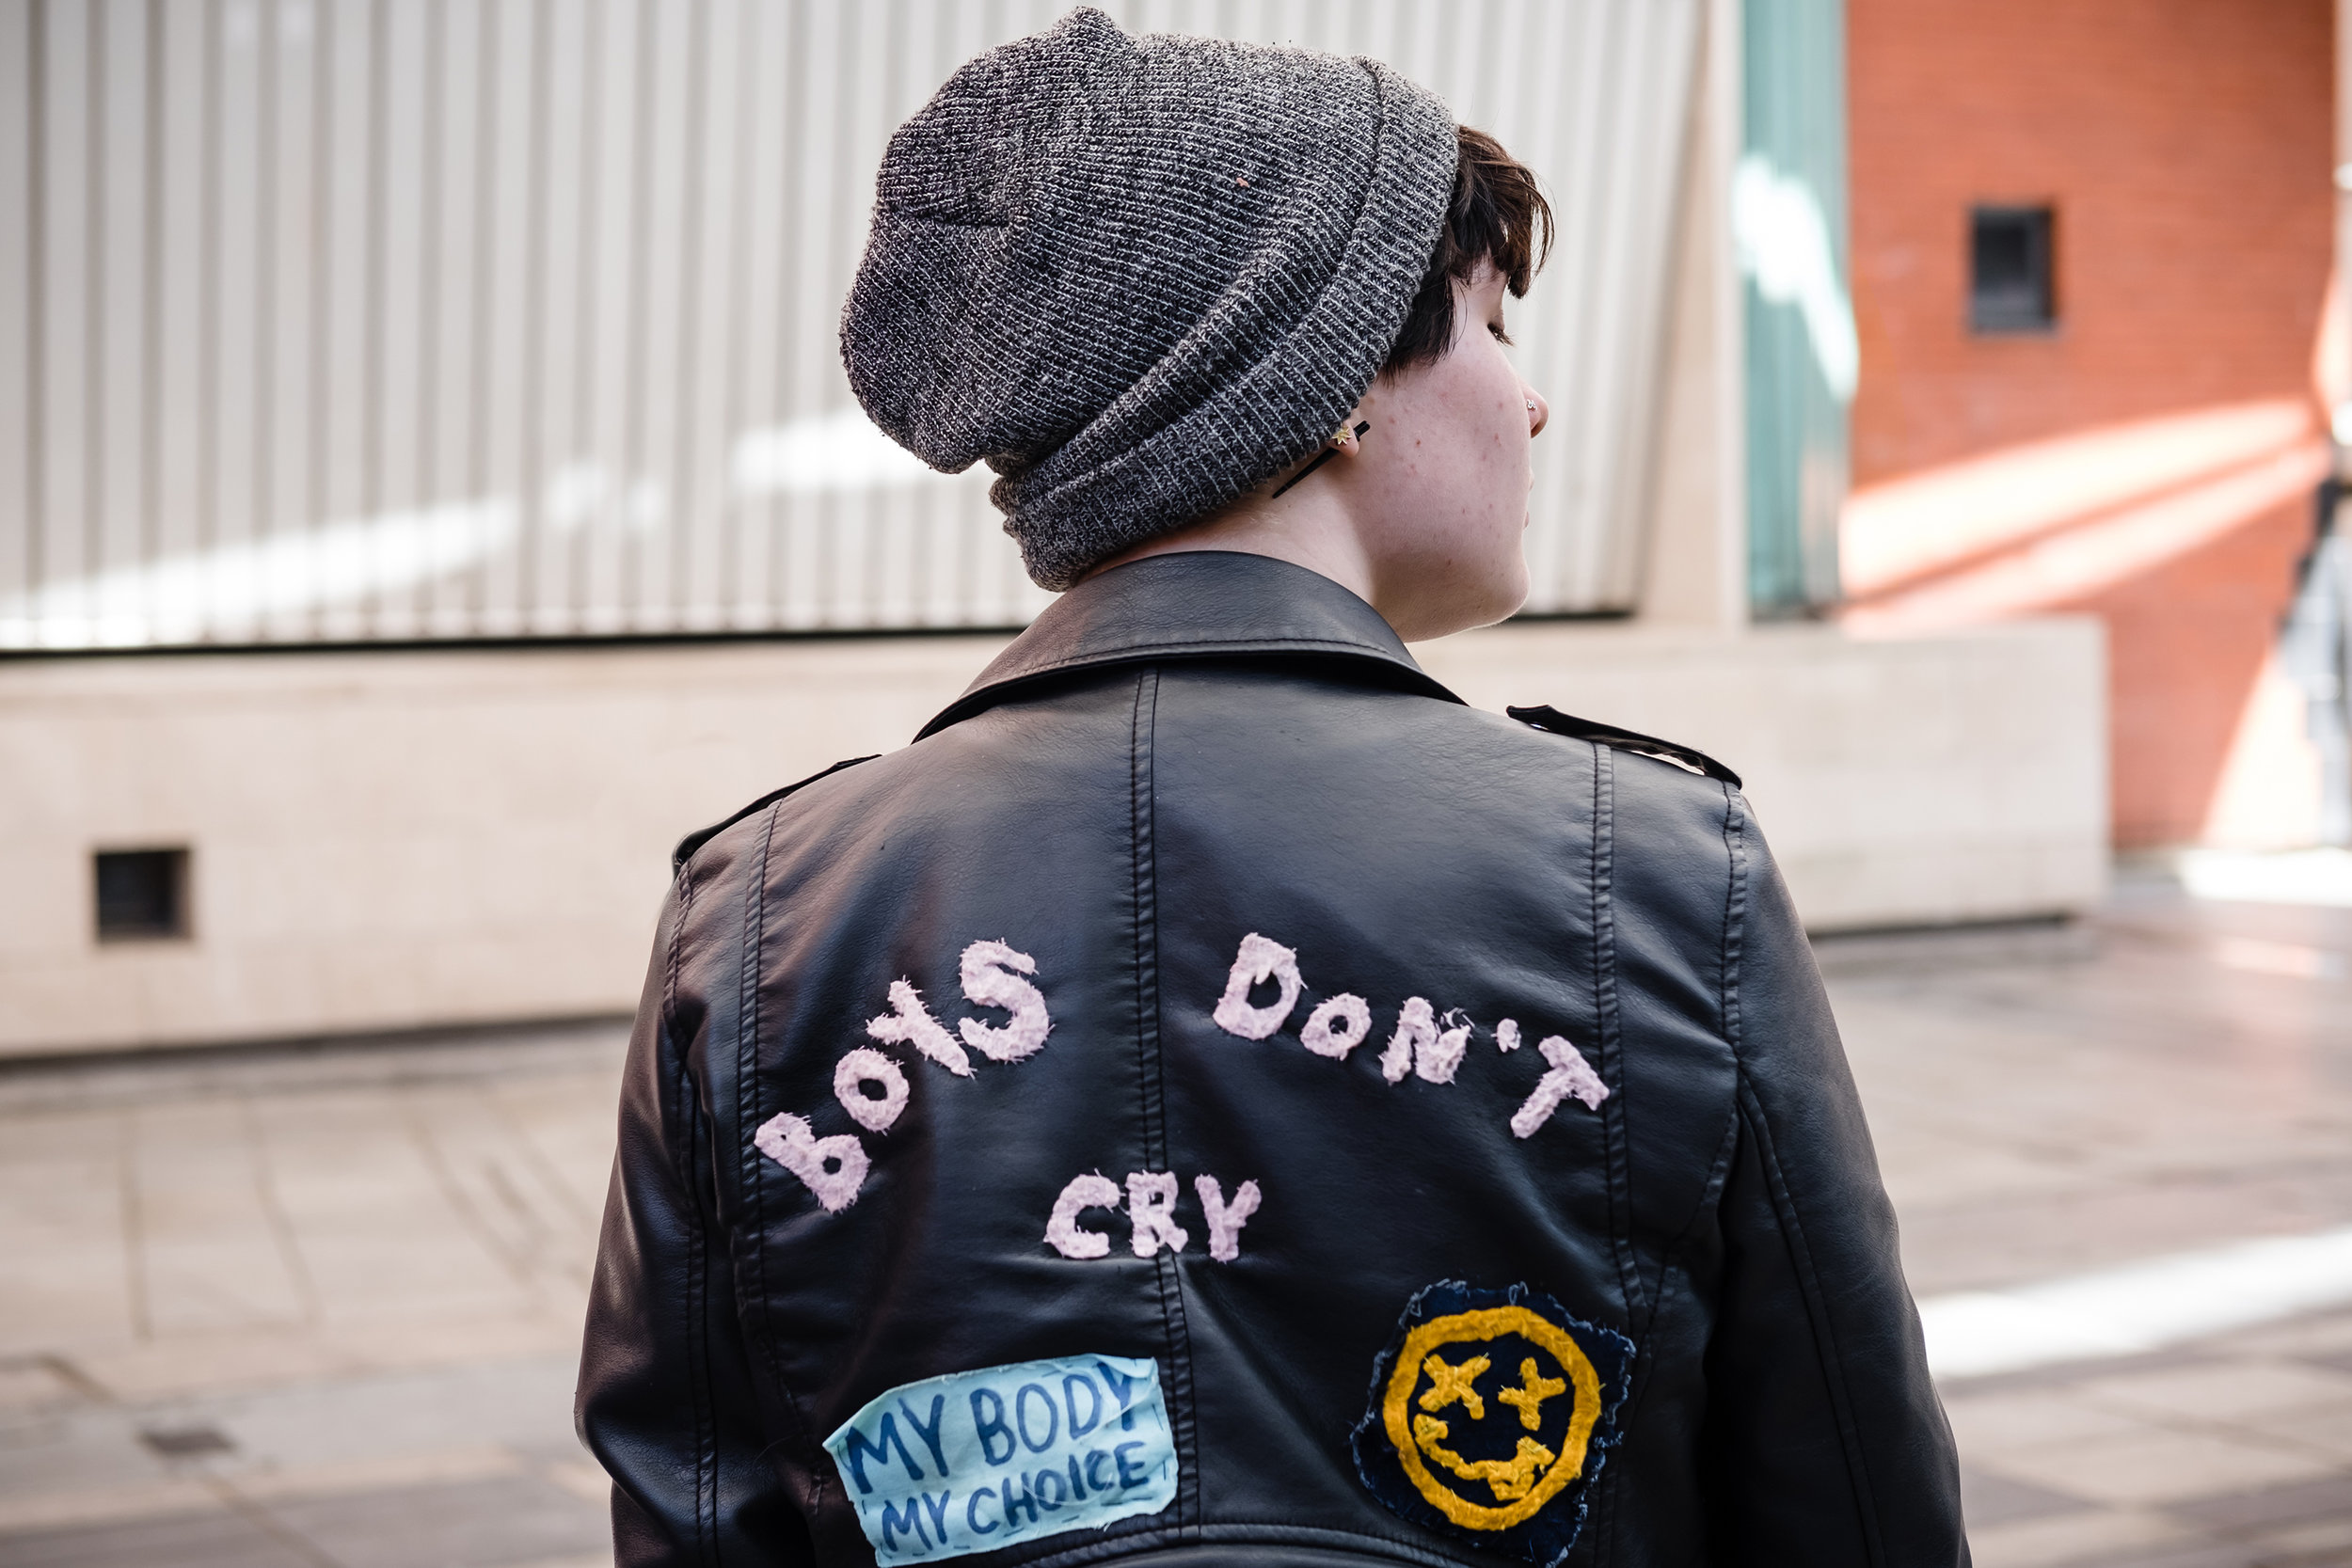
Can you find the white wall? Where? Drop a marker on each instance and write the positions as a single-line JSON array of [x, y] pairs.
[[383, 840], [1914, 782], [393, 840]]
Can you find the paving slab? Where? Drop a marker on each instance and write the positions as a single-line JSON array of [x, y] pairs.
[[322, 1306]]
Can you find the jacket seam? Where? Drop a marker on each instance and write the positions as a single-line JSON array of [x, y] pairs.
[[1604, 853], [1184, 646], [1735, 920], [747, 1052], [1408, 676], [1710, 1192], [682, 1111], [1153, 1080], [699, 1288], [1671, 1261], [1817, 1314], [1637, 1396], [1610, 1043], [671, 961], [1750, 1109], [691, 845], [748, 1085], [1394, 1548]]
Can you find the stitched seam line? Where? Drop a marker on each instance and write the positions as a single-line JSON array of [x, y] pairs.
[[1210, 647], [1710, 1194], [1735, 920], [678, 1131], [1817, 1314], [670, 967], [680, 1112], [1152, 1070], [1245, 1531], [1611, 1044], [747, 1056], [748, 1084], [746, 1049], [1188, 645], [702, 836], [1793, 1229], [699, 1306], [1716, 1174], [1004, 687]]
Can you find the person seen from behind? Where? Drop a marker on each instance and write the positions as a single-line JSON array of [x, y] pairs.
[[1215, 1097]]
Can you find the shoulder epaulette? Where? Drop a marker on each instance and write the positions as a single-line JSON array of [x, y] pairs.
[[1557, 722], [695, 840]]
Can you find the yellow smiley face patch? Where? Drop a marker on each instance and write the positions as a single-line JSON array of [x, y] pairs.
[[1491, 1411]]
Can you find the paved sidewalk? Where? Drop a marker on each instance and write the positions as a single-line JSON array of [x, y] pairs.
[[321, 1308], [2172, 1076], [311, 1310]]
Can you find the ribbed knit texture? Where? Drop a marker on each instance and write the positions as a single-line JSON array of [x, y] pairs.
[[1140, 276]]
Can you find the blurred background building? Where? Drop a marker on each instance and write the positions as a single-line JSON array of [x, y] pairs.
[[428, 486], [2093, 246]]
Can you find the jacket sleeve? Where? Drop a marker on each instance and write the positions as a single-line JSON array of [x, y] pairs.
[[1825, 1443], [665, 1399]]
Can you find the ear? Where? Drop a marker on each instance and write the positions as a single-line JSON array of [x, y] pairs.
[[1342, 443], [1362, 420]]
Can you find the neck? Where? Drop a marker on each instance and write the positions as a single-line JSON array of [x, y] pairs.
[[1312, 528]]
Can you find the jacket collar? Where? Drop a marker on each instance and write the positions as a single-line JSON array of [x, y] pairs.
[[1205, 604]]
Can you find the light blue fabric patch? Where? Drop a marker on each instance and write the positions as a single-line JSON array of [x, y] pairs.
[[974, 1461]]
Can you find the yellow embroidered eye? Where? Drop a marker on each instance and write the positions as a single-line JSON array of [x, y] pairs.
[[1451, 1385]]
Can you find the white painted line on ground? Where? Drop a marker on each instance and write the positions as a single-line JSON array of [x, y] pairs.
[[2292, 960], [2139, 1307], [2291, 876]]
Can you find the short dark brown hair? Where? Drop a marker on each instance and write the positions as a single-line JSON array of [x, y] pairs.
[[1498, 214]]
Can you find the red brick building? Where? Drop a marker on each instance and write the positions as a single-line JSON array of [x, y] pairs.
[[2140, 439]]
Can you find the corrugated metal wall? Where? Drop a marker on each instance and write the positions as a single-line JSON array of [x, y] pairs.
[[344, 320]]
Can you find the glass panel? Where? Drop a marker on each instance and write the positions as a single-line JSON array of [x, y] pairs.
[[1788, 223]]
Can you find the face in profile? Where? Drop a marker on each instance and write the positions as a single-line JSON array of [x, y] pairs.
[[1441, 481]]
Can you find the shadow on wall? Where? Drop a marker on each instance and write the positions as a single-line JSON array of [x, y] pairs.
[[2181, 532]]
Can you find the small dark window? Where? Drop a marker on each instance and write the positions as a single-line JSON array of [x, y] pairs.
[[142, 894], [2008, 270]]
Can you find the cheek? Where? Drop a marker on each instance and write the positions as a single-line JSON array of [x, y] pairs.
[[1487, 409], [1506, 399], [1469, 453]]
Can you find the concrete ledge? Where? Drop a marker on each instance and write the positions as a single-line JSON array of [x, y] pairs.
[[1924, 780], [388, 841], [399, 840]]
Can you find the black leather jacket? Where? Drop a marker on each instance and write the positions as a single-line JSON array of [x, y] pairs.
[[960, 1070]]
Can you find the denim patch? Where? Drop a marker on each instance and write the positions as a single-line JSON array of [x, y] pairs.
[[976, 1461], [1491, 1412]]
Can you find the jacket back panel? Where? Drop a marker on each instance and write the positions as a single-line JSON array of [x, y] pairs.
[[1127, 830]]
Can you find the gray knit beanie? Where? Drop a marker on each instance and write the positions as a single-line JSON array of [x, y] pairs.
[[1140, 276]]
